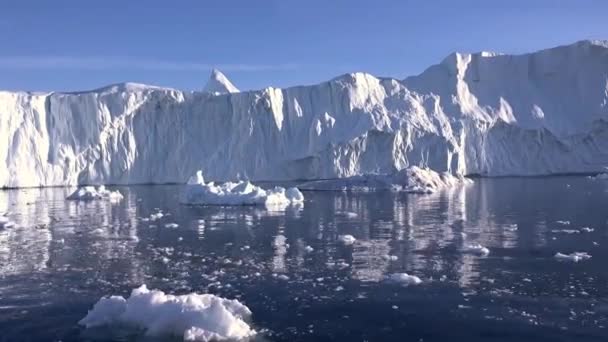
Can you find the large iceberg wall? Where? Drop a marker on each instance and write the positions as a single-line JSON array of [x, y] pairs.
[[484, 113]]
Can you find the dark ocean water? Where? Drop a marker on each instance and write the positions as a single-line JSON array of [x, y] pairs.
[[63, 256]]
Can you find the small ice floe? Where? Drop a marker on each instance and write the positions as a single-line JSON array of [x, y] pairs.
[[156, 216], [587, 230], [476, 248], [348, 214], [565, 231], [601, 176], [90, 193], [347, 239], [404, 279], [390, 257], [171, 225], [198, 192], [309, 249], [575, 257], [563, 223], [281, 277], [5, 222], [192, 317], [511, 228]]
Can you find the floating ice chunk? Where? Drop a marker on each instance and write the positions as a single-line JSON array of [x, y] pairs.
[[390, 257], [476, 248], [347, 239], [565, 231], [239, 193], [404, 278], [5, 222], [90, 193], [309, 249], [565, 223], [587, 230], [194, 317], [412, 180], [156, 216], [601, 176], [575, 257], [171, 225]]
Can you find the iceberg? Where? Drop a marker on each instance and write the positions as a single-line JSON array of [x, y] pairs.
[[484, 114], [90, 193], [193, 317], [412, 180], [198, 192]]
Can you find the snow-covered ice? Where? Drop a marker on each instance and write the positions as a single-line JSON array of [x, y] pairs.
[[90, 193], [404, 278], [194, 317], [197, 191], [575, 256], [412, 180], [471, 114]]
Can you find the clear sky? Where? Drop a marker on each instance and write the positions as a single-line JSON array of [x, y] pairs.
[[74, 45]]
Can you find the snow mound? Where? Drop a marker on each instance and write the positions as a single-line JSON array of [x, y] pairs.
[[198, 192], [413, 179], [90, 193], [5, 222], [219, 84], [476, 248], [195, 317], [574, 257], [404, 279]]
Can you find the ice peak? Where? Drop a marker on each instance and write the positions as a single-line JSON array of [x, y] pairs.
[[219, 84]]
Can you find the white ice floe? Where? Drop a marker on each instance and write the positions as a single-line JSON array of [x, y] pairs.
[[565, 231], [562, 222], [90, 193], [5, 222], [196, 191], [476, 248], [575, 257], [309, 249], [347, 239], [412, 180], [404, 278], [194, 317], [587, 230]]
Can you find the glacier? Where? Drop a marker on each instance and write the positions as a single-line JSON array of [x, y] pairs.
[[482, 114]]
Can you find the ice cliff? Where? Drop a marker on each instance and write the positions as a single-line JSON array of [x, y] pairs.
[[483, 113]]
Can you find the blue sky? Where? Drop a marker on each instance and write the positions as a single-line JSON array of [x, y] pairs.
[[73, 45]]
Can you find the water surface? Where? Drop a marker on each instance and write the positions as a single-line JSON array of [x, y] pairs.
[[64, 255]]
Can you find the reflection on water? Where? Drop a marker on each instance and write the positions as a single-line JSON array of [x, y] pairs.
[[64, 249]]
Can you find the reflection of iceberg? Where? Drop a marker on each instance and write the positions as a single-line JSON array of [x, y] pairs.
[[369, 260]]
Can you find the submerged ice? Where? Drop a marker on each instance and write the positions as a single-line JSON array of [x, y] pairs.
[[472, 114]]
